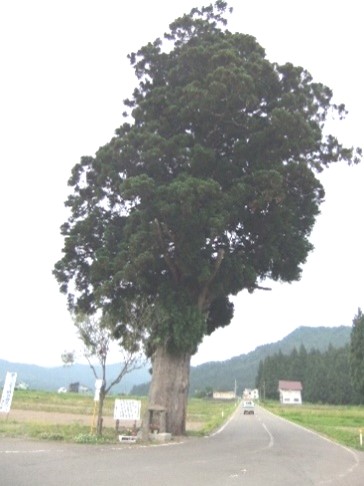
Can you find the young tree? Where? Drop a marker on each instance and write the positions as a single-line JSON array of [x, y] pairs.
[[207, 189], [68, 358], [97, 336], [357, 353]]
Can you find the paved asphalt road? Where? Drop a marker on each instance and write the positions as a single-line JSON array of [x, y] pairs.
[[259, 450]]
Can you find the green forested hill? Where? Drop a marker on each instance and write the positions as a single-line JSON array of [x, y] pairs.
[[222, 375]]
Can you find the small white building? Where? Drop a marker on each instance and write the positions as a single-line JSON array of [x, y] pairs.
[[251, 394], [290, 392], [224, 395]]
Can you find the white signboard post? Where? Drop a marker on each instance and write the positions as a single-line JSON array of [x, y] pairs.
[[98, 385], [8, 391], [127, 411]]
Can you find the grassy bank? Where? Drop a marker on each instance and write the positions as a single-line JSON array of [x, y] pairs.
[[203, 416], [339, 423]]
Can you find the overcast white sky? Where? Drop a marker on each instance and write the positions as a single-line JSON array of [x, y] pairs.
[[64, 77]]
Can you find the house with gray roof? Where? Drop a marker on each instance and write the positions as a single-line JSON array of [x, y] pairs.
[[290, 392]]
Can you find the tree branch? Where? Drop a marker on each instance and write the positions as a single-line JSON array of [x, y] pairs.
[[172, 267], [203, 297], [131, 363], [91, 366], [258, 287]]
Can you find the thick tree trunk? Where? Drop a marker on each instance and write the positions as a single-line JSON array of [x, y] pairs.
[[169, 387]]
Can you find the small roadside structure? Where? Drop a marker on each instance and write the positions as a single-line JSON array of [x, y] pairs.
[[74, 387], [224, 395], [290, 392]]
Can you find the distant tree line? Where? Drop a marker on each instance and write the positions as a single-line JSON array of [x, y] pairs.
[[325, 376]]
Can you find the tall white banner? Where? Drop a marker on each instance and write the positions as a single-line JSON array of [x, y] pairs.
[[8, 391], [98, 385]]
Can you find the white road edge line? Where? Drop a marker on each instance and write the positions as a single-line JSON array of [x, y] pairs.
[[36, 451], [271, 438]]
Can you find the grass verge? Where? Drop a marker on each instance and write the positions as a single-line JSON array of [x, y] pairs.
[[339, 423], [206, 416]]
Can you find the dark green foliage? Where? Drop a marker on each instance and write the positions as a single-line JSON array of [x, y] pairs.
[[357, 353], [205, 393], [209, 188], [325, 376]]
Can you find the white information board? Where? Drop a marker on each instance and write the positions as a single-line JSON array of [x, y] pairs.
[[127, 409], [8, 391]]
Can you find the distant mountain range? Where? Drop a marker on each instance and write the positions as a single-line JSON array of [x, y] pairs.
[[51, 379], [219, 375]]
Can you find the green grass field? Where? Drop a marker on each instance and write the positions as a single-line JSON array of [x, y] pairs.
[[74, 403], [203, 416], [339, 423]]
